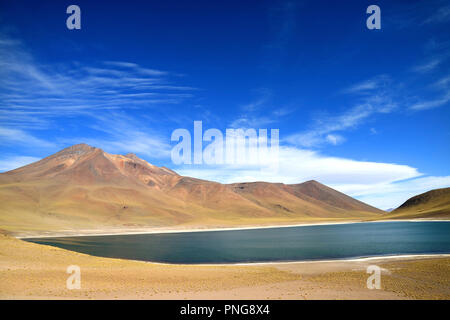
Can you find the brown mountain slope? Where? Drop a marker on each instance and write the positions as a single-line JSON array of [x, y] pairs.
[[331, 197], [85, 187], [286, 199], [431, 204], [89, 165]]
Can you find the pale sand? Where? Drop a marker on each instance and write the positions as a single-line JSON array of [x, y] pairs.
[[32, 271], [150, 230]]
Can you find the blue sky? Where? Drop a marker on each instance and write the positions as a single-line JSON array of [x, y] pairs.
[[364, 111]]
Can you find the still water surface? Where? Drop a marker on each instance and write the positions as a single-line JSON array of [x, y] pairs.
[[320, 242]]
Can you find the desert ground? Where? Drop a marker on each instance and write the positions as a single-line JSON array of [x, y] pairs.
[[32, 271]]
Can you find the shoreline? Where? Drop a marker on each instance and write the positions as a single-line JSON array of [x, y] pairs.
[[361, 259], [279, 263], [111, 232]]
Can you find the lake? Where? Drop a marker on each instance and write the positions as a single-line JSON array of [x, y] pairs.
[[319, 242]]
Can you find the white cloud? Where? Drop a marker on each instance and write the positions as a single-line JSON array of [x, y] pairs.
[[443, 83], [251, 122], [369, 85], [363, 86], [393, 194], [324, 127], [441, 15], [427, 67], [33, 94], [264, 95], [375, 96], [125, 134], [298, 165], [14, 162], [383, 185], [136, 67], [334, 139], [36, 96], [254, 114], [16, 136], [431, 104]]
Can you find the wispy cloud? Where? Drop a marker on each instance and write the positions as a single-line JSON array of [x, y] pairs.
[[375, 96], [255, 115], [387, 195], [35, 96], [442, 86], [124, 134], [249, 121], [326, 125], [428, 66], [369, 85], [431, 104], [282, 17], [33, 93], [409, 14], [14, 162], [334, 139], [439, 16], [264, 95], [135, 67], [9, 136]]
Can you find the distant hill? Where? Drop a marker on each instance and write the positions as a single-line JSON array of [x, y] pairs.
[[85, 187], [431, 204]]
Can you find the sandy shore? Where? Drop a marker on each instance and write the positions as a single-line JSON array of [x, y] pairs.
[[150, 230], [32, 271]]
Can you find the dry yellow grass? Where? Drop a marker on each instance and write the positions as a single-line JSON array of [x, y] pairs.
[[412, 279]]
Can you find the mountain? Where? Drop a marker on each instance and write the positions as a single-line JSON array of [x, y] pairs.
[[83, 187], [327, 195], [83, 164], [431, 204], [311, 198]]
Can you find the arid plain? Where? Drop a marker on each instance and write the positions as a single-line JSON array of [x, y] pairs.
[[31, 271], [83, 190]]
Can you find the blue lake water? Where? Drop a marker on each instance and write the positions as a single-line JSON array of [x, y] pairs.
[[320, 242]]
